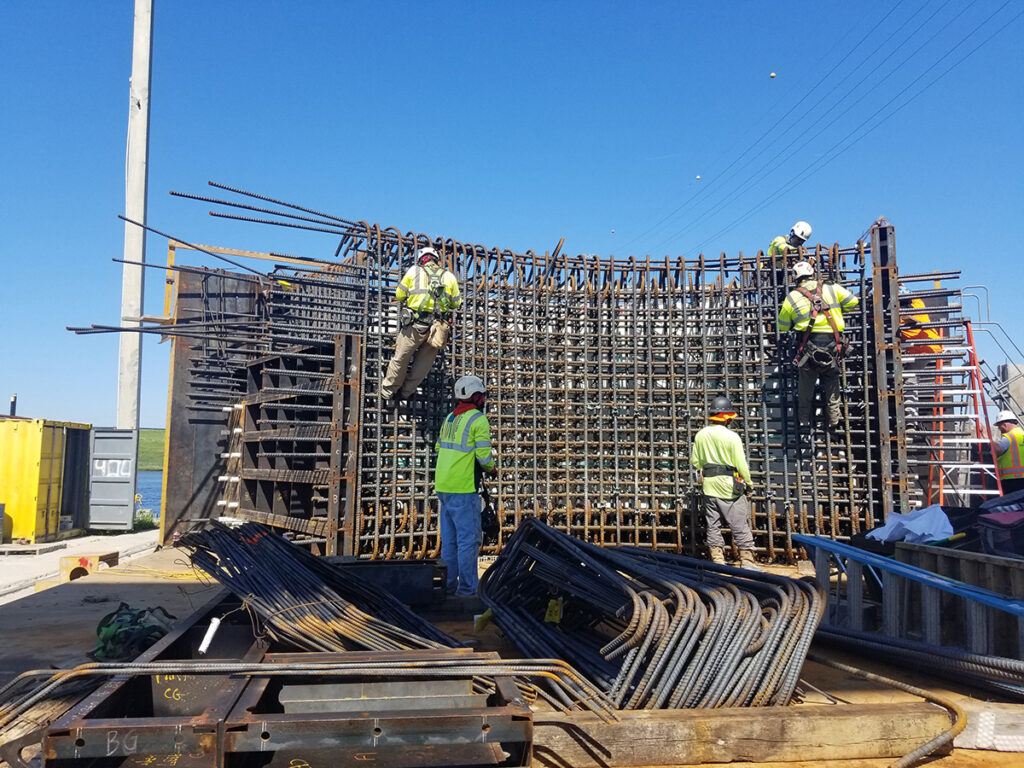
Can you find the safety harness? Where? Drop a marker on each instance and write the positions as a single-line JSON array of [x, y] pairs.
[[435, 287], [818, 307]]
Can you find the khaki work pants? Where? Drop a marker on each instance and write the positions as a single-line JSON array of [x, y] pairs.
[[418, 343]]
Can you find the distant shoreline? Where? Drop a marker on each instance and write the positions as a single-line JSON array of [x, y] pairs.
[[151, 450]]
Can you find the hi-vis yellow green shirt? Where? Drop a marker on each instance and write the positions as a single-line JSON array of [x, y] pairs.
[[415, 290], [795, 313], [717, 444], [780, 246], [464, 441]]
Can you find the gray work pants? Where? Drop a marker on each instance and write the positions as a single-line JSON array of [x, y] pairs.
[[809, 375], [418, 343], [736, 513]]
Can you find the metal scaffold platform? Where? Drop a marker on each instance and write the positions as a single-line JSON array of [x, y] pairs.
[[599, 374]]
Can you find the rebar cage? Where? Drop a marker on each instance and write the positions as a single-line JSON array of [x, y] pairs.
[[599, 374]]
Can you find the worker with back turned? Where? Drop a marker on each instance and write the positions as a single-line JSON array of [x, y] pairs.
[[718, 453], [814, 309], [463, 442], [426, 295], [1010, 452]]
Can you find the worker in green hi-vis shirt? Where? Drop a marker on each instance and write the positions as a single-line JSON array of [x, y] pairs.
[[718, 454], [463, 442]]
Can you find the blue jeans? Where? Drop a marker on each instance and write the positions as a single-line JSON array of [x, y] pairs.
[[460, 540]]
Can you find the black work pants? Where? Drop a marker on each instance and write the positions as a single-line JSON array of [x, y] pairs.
[[829, 377]]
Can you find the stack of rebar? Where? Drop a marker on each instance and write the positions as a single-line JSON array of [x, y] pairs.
[[651, 629], [303, 600]]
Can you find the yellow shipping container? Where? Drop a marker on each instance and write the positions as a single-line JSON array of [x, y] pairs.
[[34, 466]]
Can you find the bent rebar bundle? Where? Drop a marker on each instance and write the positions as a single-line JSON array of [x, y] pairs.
[[313, 606], [651, 629], [599, 373], [302, 599]]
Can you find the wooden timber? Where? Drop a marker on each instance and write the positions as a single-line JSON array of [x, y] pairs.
[[765, 734]]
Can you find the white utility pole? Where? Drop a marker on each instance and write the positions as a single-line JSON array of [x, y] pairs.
[[129, 372]]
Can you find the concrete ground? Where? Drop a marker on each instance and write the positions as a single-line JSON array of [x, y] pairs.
[[20, 573], [57, 627]]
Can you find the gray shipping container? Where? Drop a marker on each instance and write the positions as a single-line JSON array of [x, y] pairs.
[[114, 460]]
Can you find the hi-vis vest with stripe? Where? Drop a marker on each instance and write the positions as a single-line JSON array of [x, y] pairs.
[[416, 293], [795, 313], [1009, 461], [913, 333], [464, 441]]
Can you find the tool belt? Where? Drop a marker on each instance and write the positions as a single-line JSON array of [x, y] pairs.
[[718, 470], [724, 470], [407, 317]]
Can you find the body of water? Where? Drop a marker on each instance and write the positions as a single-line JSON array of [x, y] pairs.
[[149, 485]]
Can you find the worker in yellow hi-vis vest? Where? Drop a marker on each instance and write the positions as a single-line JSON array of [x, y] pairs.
[[1010, 452], [463, 442], [426, 296], [814, 309]]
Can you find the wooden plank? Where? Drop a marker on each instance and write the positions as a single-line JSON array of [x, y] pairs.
[[767, 734]]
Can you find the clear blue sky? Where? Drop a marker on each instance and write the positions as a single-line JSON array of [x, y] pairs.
[[508, 124]]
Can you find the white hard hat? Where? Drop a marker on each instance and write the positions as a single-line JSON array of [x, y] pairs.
[[467, 385], [802, 269], [425, 254], [1005, 416], [801, 231]]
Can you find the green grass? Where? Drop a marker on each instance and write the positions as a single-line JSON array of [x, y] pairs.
[[151, 449], [143, 521]]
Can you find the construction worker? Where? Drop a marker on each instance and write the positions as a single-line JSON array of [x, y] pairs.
[[1010, 452], [782, 246], [718, 454], [426, 296], [815, 309], [464, 441], [912, 330], [798, 235]]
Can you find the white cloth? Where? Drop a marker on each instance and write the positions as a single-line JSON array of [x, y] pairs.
[[918, 526]]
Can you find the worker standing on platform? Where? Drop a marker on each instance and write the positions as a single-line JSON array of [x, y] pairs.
[[1010, 452], [426, 297], [718, 453], [463, 442], [815, 308]]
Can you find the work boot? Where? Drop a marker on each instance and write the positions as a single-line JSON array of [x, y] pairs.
[[747, 560], [717, 555]]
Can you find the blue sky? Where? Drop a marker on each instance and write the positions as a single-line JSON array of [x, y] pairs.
[[509, 124]]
